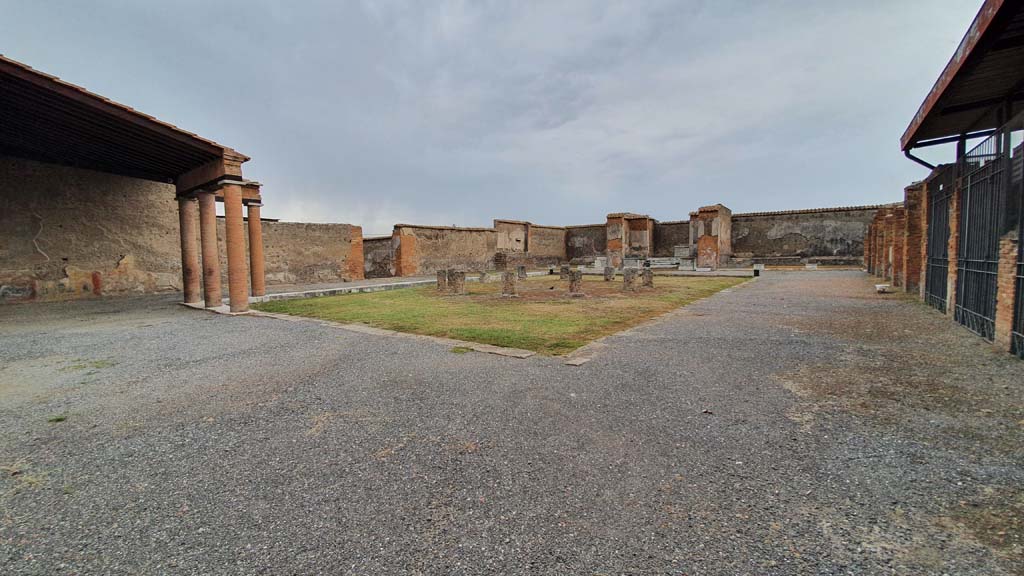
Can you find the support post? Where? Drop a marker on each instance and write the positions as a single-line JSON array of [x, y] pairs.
[[257, 271], [238, 289], [190, 271], [211, 257]]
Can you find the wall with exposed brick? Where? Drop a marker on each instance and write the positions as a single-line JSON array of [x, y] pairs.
[[668, 235], [1006, 289], [378, 257], [72, 233], [912, 238]]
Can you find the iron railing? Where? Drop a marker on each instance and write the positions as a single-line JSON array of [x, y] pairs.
[[982, 198], [1017, 184], [940, 191]]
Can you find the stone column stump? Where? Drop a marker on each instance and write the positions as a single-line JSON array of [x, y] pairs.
[[509, 285], [648, 278], [483, 277], [629, 279], [609, 273], [576, 283], [442, 280], [457, 281], [521, 272], [563, 272]]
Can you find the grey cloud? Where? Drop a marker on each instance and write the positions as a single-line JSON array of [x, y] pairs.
[[556, 112]]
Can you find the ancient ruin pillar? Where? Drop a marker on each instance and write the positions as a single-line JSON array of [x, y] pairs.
[[509, 281], [609, 273], [521, 272], [563, 272], [238, 288], [211, 254], [648, 278], [442, 280], [457, 281], [257, 274], [629, 279], [575, 283], [190, 271]]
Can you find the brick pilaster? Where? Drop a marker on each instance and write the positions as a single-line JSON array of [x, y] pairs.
[[954, 248], [1006, 290]]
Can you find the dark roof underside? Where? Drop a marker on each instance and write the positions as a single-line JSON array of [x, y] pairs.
[[43, 118], [986, 70]]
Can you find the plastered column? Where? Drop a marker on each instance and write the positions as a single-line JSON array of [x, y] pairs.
[[211, 259], [238, 289], [256, 265], [190, 271]]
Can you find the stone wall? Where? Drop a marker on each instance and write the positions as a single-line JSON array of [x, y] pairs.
[[547, 243], [512, 235], [583, 242], [69, 233], [668, 235], [427, 249], [303, 253], [72, 233], [830, 232], [378, 257]]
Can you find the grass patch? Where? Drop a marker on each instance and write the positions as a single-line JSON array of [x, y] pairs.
[[543, 319], [57, 418], [461, 350]]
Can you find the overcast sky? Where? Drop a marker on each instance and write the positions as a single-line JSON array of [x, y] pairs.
[[379, 112]]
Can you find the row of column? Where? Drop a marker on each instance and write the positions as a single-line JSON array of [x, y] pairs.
[[234, 225]]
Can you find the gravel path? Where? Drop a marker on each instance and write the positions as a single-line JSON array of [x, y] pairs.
[[797, 424]]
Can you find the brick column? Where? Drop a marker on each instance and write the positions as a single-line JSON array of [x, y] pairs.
[[234, 232], [211, 253], [867, 247], [912, 239], [256, 265], [923, 223], [190, 271], [1006, 290], [953, 248]]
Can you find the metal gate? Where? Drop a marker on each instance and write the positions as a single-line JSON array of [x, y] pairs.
[[1017, 179], [940, 191], [1017, 336], [984, 188]]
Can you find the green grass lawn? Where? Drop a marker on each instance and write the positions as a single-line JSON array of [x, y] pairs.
[[544, 319]]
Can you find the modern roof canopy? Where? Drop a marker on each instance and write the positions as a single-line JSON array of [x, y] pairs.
[[47, 119], [985, 74]]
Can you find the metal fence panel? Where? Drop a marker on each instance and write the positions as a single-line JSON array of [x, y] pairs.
[[940, 191], [983, 192]]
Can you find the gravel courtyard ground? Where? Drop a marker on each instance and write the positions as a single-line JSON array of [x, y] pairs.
[[797, 424]]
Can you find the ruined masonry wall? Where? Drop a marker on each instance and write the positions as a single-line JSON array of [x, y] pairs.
[[803, 234], [303, 253], [379, 257], [547, 242], [585, 241], [667, 235]]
